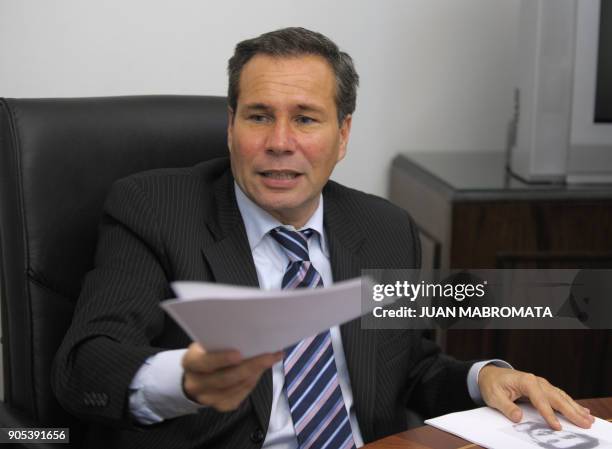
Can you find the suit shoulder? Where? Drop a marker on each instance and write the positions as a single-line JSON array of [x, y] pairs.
[[204, 173], [367, 208], [389, 236], [168, 191]]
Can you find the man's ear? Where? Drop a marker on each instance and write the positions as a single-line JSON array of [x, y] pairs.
[[345, 131], [230, 127]]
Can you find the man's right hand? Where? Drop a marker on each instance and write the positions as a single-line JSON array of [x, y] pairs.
[[222, 380]]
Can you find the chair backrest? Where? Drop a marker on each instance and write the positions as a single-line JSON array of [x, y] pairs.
[[58, 158]]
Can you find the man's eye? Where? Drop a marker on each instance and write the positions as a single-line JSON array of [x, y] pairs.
[[258, 118], [303, 120]]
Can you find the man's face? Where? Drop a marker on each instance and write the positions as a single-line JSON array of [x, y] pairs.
[[558, 439], [284, 137]]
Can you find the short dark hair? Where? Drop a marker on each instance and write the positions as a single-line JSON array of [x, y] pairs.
[[288, 42]]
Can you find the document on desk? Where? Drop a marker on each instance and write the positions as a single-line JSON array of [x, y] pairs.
[[489, 428], [255, 321]]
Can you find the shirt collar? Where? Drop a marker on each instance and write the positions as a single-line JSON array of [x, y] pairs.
[[258, 222]]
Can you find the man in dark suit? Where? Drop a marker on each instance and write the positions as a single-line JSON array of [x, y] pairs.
[[267, 217]]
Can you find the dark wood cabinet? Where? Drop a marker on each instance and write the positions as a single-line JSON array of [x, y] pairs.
[[472, 214]]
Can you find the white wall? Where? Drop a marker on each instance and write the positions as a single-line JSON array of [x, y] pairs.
[[435, 74]]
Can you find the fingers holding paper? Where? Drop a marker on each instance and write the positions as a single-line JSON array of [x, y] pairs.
[[500, 387], [222, 379]]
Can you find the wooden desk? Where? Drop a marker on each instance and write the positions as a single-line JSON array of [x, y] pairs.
[[428, 437]]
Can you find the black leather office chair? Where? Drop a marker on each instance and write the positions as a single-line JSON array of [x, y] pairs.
[[58, 158]]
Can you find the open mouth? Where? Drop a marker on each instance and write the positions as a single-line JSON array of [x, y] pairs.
[[280, 174]]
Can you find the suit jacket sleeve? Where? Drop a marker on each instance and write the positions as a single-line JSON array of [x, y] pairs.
[[411, 370], [437, 381], [118, 314]]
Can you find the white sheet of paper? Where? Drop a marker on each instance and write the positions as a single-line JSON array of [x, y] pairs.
[[489, 428], [255, 321]]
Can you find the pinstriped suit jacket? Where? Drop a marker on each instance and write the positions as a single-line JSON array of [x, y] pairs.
[[179, 224]]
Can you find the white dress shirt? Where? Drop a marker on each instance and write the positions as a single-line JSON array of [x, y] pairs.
[[156, 390]]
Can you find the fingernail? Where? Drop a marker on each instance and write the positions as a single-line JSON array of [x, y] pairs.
[[515, 415]]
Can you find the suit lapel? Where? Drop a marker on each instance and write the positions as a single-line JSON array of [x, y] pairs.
[[345, 238], [229, 254], [230, 259]]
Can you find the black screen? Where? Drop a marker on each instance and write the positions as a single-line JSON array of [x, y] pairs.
[[603, 96]]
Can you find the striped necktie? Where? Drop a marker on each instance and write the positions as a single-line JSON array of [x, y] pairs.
[[311, 380]]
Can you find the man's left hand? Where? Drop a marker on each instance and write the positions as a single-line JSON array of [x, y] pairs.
[[500, 387]]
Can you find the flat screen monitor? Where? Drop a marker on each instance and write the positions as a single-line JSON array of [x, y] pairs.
[[603, 95], [564, 103], [590, 153]]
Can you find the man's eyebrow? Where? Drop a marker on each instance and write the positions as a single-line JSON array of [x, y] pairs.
[[257, 107], [304, 107], [310, 108]]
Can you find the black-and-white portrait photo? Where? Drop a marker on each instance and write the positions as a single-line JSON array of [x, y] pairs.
[[545, 437]]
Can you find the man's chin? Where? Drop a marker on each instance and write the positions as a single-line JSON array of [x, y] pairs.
[[279, 207], [286, 210]]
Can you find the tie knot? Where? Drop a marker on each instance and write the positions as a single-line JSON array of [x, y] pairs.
[[294, 243]]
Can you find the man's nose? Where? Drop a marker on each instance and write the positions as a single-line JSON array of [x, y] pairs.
[[280, 138]]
